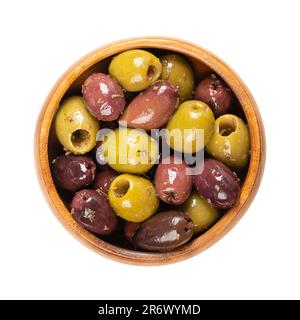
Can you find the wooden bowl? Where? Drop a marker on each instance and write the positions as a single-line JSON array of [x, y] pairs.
[[203, 62]]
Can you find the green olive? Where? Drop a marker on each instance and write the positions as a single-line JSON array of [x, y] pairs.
[[129, 150], [75, 128], [182, 129], [176, 70], [230, 142], [135, 70], [132, 197], [201, 212]]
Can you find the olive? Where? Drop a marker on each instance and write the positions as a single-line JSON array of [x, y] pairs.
[[130, 229], [92, 211], [203, 214], [164, 231], [103, 97], [230, 142], [213, 91], [75, 127], [103, 180], [152, 108], [132, 197], [72, 172], [173, 180], [135, 70], [217, 184], [176, 70], [191, 127], [129, 150]]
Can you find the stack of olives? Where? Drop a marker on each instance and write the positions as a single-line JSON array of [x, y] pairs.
[[150, 202]]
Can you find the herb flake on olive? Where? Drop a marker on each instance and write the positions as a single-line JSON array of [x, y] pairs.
[[92, 210]]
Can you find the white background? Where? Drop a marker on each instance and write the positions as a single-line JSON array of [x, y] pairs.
[[259, 258]]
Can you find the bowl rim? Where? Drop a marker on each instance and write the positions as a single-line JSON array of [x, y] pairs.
[[232, 216]]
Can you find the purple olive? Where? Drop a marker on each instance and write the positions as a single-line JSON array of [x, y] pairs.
[[173, 181], [73, 172], [103, 180], [92, 211], [130, 229], [152, 108], [213, 91], [164, 231], [217, 184], [103, 97]]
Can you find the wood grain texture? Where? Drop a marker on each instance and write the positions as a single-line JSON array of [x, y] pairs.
[[202, 61]]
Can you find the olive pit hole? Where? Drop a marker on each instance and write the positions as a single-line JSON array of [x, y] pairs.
[[226, 127], [151, 72], [80, 138], [120, 188]]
